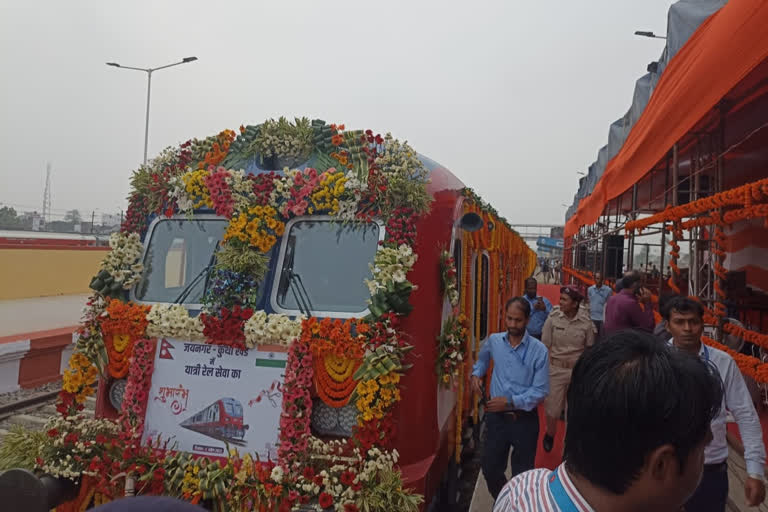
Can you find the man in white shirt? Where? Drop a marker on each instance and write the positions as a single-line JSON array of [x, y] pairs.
[[685, 321], [620, 454]]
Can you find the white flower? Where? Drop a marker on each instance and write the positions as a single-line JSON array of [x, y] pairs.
[[277, 474]]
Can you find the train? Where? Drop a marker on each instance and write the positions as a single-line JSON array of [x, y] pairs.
[[222, 419], [317, 267]]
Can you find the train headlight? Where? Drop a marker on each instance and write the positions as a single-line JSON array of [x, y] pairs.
[[116, 393]]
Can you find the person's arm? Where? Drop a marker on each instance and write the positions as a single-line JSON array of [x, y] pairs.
[[641, 318], [483, 359], [547, 304], [739, 402], [546, 333], [539, 388], [590, 339]]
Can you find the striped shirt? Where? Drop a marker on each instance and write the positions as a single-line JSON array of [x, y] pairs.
[[532, 492]]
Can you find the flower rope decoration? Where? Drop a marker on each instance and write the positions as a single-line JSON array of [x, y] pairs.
[[336, 355], [134, 406], [297, 405], [121, 325]]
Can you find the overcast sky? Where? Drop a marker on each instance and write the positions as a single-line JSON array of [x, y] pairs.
[[513, 97]]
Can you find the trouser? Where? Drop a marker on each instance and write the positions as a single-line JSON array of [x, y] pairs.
[[559, 379], [599, 327], [712, 493], [502, 431]]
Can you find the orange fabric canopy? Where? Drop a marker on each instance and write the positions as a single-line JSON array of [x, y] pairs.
[[724, 49]]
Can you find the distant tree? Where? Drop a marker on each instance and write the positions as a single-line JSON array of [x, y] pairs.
[[73, 216], [9, 219]]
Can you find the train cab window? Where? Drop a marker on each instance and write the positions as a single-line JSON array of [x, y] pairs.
[[484, 272], [323, 265], [178, 251]]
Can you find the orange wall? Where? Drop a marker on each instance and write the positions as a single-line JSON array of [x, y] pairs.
[[27, 273]]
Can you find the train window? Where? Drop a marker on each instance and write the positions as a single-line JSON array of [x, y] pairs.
[[177, 255], [323, 267], [484, 268]]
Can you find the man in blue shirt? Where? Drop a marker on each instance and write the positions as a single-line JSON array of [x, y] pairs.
[[540, 308], [598, 294], [519, 382]]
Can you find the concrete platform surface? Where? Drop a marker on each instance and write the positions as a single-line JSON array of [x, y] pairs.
[[40, 314]]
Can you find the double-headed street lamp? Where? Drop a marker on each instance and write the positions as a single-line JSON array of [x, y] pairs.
[[149, 71]]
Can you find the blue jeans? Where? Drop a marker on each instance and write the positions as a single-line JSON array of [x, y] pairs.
[[503, 432]]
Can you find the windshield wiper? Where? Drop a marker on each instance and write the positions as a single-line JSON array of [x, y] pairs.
[[205, 272], [299, 292]]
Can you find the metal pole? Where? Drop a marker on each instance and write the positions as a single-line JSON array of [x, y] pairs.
[[146, 125]]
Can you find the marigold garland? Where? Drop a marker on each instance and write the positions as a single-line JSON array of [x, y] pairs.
[[122, 324], [743, 195], [333, 378]]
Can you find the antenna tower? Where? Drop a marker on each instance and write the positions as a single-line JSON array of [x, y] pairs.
[[47, 194]]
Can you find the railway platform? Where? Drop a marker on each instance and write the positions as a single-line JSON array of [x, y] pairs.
[[36, 339]]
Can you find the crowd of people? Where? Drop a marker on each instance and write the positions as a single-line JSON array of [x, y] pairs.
[[645, 405], [550, 269]]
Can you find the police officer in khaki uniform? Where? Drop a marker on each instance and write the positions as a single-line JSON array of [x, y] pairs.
[[566, 333]]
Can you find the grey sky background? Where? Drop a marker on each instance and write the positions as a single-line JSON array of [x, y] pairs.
[[514, 97]]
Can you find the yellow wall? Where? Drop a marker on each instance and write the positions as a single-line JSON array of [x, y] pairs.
[[26, 273]]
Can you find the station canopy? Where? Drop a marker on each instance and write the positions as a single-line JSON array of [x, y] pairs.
[[711, 46]]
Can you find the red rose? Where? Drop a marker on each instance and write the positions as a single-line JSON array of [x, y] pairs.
[[351, 507], [326, 500]]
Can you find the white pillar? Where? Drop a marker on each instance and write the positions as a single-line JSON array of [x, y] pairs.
[[10, 361]]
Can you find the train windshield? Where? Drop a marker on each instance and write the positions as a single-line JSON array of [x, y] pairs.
[[324, 265], [176, 260], [233, 408]]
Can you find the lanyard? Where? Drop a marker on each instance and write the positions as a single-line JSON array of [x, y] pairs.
[[563, 501]]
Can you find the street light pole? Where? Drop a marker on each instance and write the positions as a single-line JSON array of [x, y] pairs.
[[146, 122], [149, 71]]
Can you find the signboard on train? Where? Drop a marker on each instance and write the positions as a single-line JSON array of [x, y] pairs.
[[205, 397]]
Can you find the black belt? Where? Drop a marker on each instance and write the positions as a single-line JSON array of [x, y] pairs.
[[516, 414], [716, 468]]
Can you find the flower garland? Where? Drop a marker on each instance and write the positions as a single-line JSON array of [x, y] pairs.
[[228, 327], [389, 287], [121, 325], [275, 329], [450, 348], [743, 195], [297, 405], [136, 395], [77, 384], [173, 321], [448, 278], [337, 354], [74, 442], [122, 261]]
